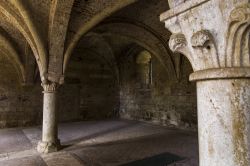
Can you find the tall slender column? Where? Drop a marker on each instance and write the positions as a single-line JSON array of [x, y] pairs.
[[50, 141], [214, 36]]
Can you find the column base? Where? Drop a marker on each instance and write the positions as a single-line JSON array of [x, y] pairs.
[[48, 147]]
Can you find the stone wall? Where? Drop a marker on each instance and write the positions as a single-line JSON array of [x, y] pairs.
[[90, 92], [20, 107], [164, 101], [91, 89], [20, 104]]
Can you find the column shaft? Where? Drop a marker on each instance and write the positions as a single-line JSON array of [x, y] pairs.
[[50, 141], [224, 122], [214, 36], [49, 118]]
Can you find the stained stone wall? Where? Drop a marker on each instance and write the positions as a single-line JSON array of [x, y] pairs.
[[164, 102], [91, 89], [18, 109], [90, 92], [20, 105]]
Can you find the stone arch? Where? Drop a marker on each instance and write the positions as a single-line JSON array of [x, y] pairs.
[[145, 38], [91, 20], [17, 14], [11, 77], [7, 49], [98, 41], [90, 71]]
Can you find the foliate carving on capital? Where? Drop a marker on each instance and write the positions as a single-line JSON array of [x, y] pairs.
[[237, 48], [177, 42], [200, 38], [241, 13], [205, 49], [50, 87]]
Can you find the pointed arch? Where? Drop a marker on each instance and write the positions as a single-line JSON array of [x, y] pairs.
[[90, 21], [8, 50], [143, 36], [22, 21]]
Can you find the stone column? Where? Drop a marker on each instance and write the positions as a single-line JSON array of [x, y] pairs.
[[223, 116], [50, 141], [214, 36]]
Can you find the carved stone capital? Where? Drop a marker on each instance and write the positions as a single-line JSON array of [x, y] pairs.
[[177, 41], [220, 73], [237, 39], [219, 39], [240, 13], [50, 87], [200, 38], [204, 50]]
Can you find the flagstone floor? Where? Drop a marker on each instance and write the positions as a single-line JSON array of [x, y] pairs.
[[102, 143]]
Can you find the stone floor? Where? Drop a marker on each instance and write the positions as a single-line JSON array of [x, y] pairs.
[[102, 143]]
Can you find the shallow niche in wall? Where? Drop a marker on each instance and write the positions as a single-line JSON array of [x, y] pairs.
[[144, 70]]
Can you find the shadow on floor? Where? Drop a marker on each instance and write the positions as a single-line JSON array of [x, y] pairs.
[[163, 159], [98, 134]]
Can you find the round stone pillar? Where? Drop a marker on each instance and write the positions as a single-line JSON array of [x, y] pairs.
[[214, 36], [223, 116], [50, 141]]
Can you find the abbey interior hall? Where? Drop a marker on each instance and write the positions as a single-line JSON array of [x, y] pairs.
[[124, 82]]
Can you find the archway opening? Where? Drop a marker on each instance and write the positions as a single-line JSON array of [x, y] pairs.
[[155, 102]]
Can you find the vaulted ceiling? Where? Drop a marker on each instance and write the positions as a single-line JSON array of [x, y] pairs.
[[50, 30]]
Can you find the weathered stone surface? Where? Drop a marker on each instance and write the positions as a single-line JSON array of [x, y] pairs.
[[223, 121], [27, 161], [219, 54], [98, 143], [13, 140], [50, 141], [61, 159], [163, 101], [48, 147]]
